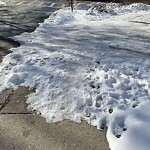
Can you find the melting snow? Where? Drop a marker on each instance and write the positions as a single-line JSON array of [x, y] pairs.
[[92, 64]]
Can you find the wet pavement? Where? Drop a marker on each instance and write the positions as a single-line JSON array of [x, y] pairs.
[[23, 16]]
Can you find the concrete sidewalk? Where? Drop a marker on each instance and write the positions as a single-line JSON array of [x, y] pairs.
[[23, 130]]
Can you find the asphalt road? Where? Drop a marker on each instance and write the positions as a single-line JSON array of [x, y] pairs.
[[20, 16]]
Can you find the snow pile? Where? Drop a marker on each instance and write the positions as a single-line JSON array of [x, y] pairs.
[[2, 2], [96, 12], [7, 2], [102, 10], [117, 8], [85, 70]]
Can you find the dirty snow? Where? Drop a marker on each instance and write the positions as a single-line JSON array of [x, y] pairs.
[[92, 64]]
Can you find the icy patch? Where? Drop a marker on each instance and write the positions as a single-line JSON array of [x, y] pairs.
[[81, 71], [52, 5]]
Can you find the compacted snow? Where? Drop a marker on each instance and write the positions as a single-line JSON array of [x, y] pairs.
[[92, 64]]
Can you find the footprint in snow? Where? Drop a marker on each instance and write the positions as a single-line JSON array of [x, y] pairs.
[[110, 81], [119, 126]]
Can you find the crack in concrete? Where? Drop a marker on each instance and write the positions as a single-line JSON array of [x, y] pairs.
[[17, 113]]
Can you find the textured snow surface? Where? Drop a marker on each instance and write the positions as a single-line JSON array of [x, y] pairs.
[[8, 2], [2, 2], [92, 64]]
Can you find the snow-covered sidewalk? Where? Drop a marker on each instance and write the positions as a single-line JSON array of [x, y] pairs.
[[92, 64]]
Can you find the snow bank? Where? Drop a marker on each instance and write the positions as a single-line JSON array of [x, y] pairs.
[[101, 11], [2, 2], [89, 65], [7, 2]]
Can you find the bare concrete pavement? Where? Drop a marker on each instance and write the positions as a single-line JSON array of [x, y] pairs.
[[21, 129]]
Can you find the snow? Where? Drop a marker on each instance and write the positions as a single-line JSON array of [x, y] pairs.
[[7, 2], [2, 3], [92, 64]]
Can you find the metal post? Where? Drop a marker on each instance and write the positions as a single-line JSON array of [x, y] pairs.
[[72, 5]]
